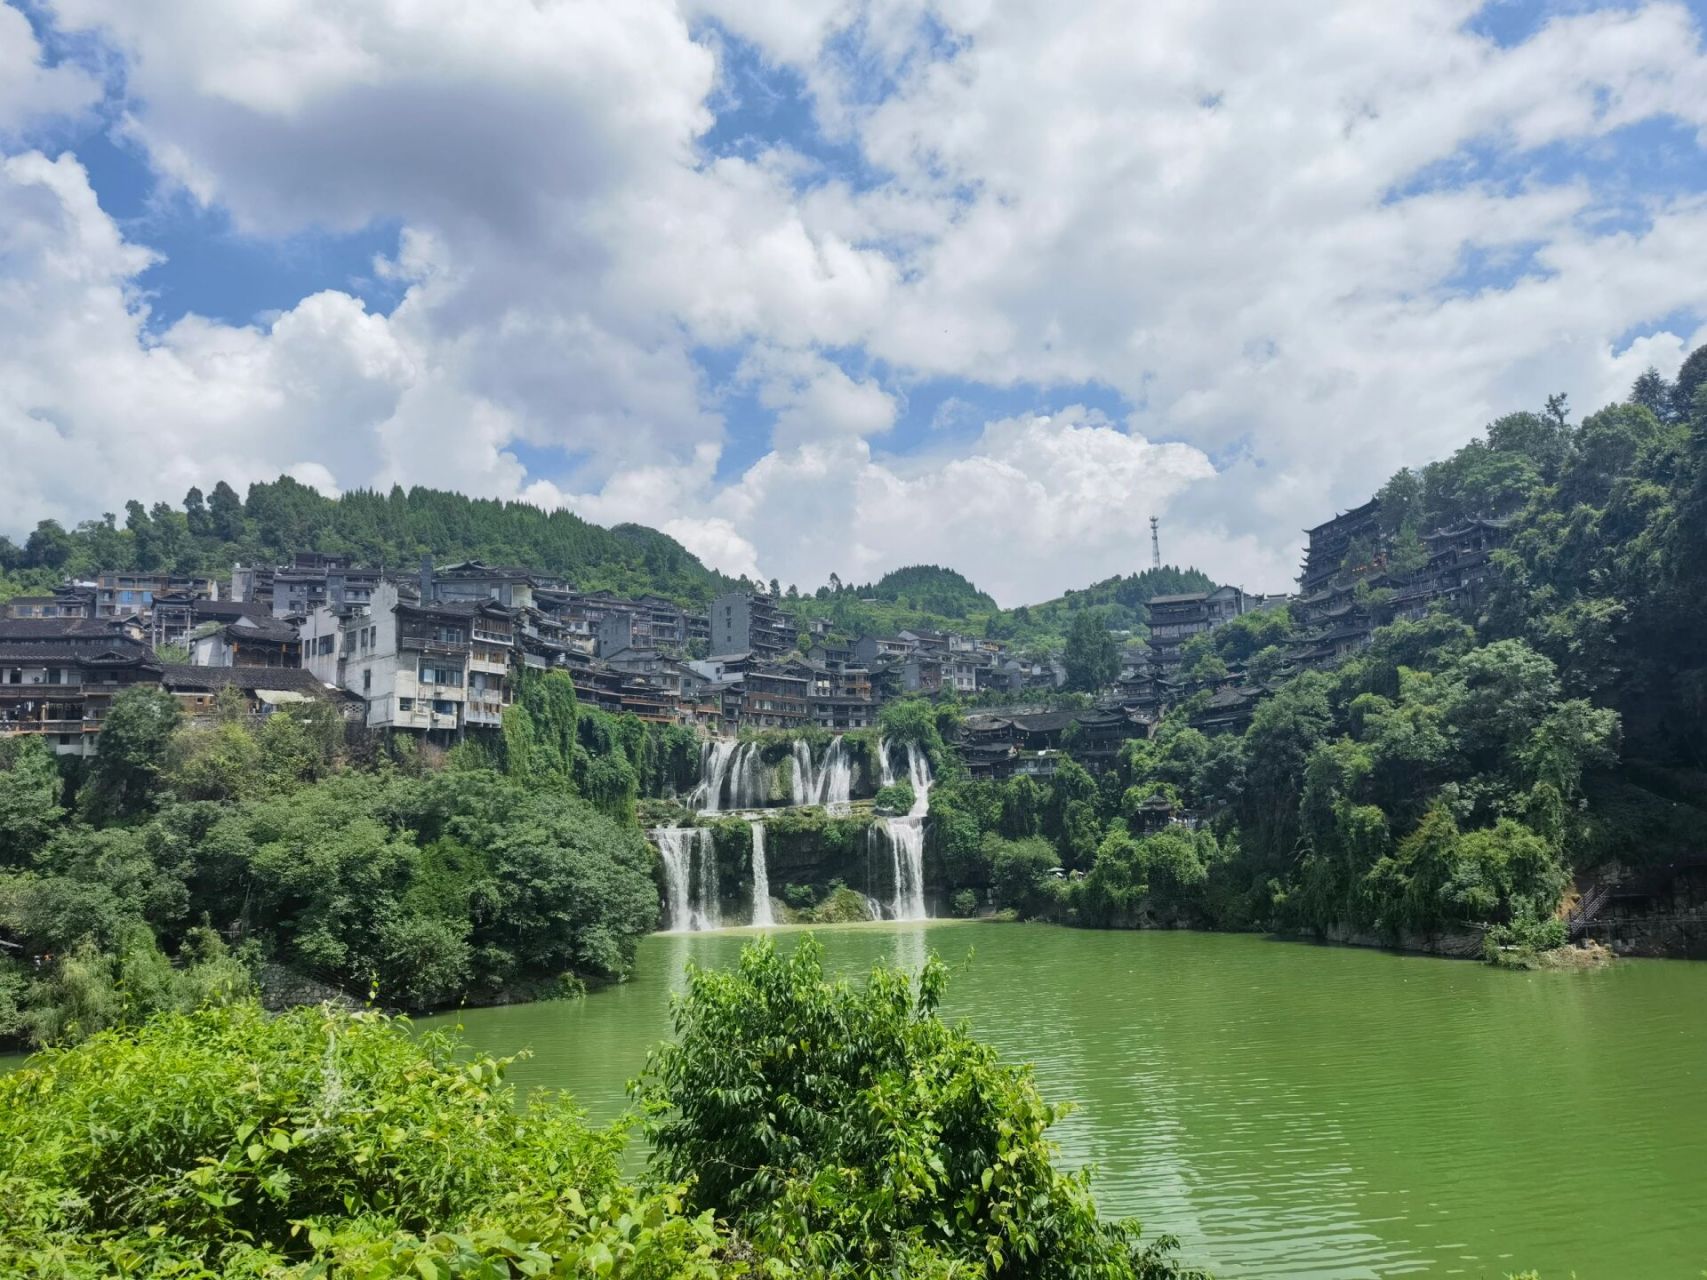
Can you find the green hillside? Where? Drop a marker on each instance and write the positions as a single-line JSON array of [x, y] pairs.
[[276, 520]]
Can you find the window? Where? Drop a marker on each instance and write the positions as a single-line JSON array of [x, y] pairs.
[[444, 707], [367, 681], [405, 704]]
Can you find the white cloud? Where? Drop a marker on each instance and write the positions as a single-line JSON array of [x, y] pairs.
[[814, 398], [93, 410], [30, 90], [1213, 209], [1034, 503]]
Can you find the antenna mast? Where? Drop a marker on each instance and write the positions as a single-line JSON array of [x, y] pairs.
[[1155, 544]]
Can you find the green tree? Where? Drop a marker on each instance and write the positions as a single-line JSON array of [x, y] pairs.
[[1652, 392], [29, 798], [196, 517], [134, 743], [225, 513], [1021, 873], [48, 546], [1092, 658], [1691, 377]]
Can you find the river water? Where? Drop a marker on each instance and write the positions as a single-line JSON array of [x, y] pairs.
[[1286, 1109]]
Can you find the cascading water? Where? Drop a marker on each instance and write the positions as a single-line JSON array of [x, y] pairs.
[[829, 783], [734, 778], [747, 788], [905, 835], [731, 776], [762, 917], [714, 762], [690, 878]]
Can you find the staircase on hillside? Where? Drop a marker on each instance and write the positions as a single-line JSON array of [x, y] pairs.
[[1588, 906]]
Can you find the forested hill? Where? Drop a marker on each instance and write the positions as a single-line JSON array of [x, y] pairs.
[[1122, 599], [941, 599], [207, 534], [930, 589]]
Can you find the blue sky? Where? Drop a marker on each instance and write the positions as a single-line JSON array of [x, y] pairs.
[[842, 285]]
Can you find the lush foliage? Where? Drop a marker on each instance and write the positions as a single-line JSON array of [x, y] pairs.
[[275, 521], [852, 1132], [1091, 656], [228, 1142], [436, 884], [1460, 769]]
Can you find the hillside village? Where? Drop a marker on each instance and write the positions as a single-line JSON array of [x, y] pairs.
[[437, 653]]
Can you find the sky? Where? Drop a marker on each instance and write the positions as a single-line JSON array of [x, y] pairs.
[[836, 286]]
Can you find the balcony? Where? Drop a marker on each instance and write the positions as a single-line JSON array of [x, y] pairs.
[[484, 712]]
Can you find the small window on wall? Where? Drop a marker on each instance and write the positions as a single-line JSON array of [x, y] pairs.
[[405, 704], [367, 681]]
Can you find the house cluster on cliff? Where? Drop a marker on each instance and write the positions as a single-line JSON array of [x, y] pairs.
[[438, 650]]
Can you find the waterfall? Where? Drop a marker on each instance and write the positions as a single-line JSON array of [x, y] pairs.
[[805, 779], [905, 835], [746, 780], [830, 783], [762, 917], [835, 784], [714, 762], [690, 878]]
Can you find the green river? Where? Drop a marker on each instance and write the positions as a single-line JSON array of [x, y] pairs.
[[1286, 1109]]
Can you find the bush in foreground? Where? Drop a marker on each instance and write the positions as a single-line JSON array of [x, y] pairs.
[[851, 1131], [231, 1143]]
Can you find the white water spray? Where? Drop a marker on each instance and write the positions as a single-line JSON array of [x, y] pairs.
[[829, 782], [690, 879], [905, 835], [762, 917]]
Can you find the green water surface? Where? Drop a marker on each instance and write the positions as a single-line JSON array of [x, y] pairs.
[[1286, 1109]]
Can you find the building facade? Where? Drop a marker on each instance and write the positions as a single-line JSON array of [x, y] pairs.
[[747, 622], [59, 676]]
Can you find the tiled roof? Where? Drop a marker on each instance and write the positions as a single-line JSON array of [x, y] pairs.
[[261, 627], [182, 678], [57, 628], [1044, 721]]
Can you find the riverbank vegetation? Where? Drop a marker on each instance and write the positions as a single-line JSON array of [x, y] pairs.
[[1456, 773], [190, 855], [799, 1127]]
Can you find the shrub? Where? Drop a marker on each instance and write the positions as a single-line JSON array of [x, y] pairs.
[[229, 1142], [896, 798], [1021, 873], [851, 1131]]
